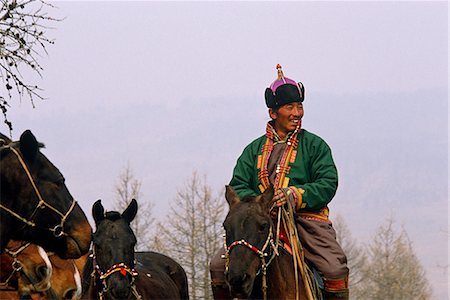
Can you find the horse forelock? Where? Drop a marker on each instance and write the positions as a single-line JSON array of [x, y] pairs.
[[113, 215], [5, 138], [248, 199]]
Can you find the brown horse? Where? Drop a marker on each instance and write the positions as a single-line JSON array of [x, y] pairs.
[[253, 268], [35, 204], [115, 274], [25, 269]]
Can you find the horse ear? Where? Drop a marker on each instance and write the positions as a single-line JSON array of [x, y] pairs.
[[231, 196], [131, 211], [267, 196], [28, 146], [98, 212]]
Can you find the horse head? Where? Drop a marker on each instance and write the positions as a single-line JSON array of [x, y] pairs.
[[113, 250], [25, 267], [249, 231], [36, 205]]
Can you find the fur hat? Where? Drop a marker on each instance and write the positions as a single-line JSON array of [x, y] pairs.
[[283, 90]]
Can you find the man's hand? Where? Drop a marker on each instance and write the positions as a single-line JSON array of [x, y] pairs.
[[292, 194], [281, 197]]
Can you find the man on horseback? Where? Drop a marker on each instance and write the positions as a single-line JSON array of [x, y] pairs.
[[300, 166]]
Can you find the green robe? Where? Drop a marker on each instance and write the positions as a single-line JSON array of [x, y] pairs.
[[313, 170]]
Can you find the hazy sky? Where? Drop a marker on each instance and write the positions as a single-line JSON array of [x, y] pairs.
[[177, 87]]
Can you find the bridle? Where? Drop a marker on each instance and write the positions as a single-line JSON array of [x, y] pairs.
[[122, 268], [16, 264], [260, 252], [58, 230]]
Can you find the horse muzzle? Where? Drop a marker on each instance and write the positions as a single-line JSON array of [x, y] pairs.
[[241, 285]]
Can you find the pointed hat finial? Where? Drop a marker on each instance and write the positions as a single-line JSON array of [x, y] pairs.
[[280, 72]]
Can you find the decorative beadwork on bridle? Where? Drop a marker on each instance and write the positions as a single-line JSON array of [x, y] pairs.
[[122, 268], [260, 252]]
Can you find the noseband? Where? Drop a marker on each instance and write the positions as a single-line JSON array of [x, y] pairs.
[[16, 264], [120, 267], [58, 230]]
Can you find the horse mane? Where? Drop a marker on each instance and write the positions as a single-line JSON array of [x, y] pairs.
[[86, 276], [113, 215], [5, 138], [248, 199]]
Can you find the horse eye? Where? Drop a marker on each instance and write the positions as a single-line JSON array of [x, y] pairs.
[[263, 227]]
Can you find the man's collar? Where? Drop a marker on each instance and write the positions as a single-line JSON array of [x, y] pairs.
[[272, 134]]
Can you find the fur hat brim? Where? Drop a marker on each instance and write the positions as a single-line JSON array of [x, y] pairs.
[[284, 94]]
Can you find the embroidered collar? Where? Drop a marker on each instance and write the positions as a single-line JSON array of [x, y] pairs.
[[287, 157], [273, 135]]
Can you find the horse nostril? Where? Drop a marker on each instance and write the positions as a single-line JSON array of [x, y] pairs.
[[42, 271], [25, 297], [69, 295]]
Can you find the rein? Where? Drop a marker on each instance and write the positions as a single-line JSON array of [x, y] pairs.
[[260, 252], [283, 217], [16, 265], [58, 230], [120, 267]]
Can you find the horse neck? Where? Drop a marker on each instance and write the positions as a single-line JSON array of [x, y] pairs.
[[280, 277]]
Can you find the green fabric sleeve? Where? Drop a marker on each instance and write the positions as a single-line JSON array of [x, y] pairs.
[[323, 178], [244, 173]]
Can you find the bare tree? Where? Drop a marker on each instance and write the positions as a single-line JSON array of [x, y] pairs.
[[356, 257], [394, 271], [23, 25], [193, 232], [127, 188]]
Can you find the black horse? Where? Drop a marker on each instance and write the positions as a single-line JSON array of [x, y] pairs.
[[257, 268], [35, 204], [111, 272]]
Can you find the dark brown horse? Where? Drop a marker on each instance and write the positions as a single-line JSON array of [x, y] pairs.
[[253, 268], [35, 204], [24, 269], [115, 275]]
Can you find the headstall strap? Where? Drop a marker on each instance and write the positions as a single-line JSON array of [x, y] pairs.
[[261, 253], [58, 230], [16, 265], [120, 267]]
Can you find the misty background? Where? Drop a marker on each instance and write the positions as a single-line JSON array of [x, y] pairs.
[[173, 88]]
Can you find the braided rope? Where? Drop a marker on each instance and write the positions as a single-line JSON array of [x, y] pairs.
[[298, 254], [16, 264], [58, 230]]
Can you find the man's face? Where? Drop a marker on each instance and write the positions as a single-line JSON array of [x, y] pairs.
[[287, 117]]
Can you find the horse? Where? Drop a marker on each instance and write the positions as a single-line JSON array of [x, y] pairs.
[[256, 268], [111, 272], [25, 269], [35, 204]]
